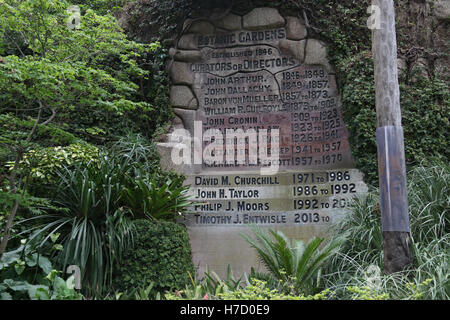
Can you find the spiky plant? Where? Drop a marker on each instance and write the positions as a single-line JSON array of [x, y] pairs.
[[291, 260], [93, 228]]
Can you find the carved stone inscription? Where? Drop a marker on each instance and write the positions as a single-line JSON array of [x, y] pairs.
[[261, 74]]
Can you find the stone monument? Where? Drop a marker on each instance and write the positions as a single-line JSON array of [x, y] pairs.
[[255, 92]]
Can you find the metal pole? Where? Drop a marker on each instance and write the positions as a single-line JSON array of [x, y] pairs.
[[391, 151]]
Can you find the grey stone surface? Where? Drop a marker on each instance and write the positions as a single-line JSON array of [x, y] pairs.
[[165, 152], [180, 74], [316, 53], [295, 29], [182, 97], [198, 26], [231, 22], [442, 9], [333, 90], [263, 18], [187, 55], [188, 42], [188, 117], [294, 48]]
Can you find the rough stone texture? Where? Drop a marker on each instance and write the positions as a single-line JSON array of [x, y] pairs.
[[165, 152], [294, 48], [188, 118], [186, 55], [295, 29], [177, 123], [231, 22], [199, 26], [316, 53], [180, 74], [187, 42], [442, 9], [333, 85], [263, 18], [182, 97]]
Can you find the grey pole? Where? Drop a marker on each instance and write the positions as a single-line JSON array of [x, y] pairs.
[[390, 141]]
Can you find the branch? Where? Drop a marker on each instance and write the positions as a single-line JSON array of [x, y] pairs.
[[51, 117], [12, 185], [36, 122]]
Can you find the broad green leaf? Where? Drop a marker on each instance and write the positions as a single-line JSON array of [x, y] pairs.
[[16, 285], [38, 292], [45, 264]]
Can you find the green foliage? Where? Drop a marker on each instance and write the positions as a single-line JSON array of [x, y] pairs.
[[95, 230], [425, 110], [429, 201], [44, 163], [374, 287], [213, 283], [366, 293], [429, 207], [136, 149], [426, 115], [258, 290], [254, 290], [148, 191], [289, 260], [102, 6], [161, 255], [358, 100], [26, 274], [146, 198], [209, 288], [87, 74], [212, 287], [13, 129]]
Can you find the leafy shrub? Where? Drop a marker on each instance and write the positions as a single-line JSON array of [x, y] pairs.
[[289, 260], [44, 163], [148, 191], [208, 288], [137, 149], [95, 230], [161, 255], [428, 206], [429, 201], [13, 128], [101, 6], [258, 290], [255, 290], [26, 274], [146, 198], [425, 112]]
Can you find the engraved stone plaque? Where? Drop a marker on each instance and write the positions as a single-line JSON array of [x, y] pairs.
[[260, 94]]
